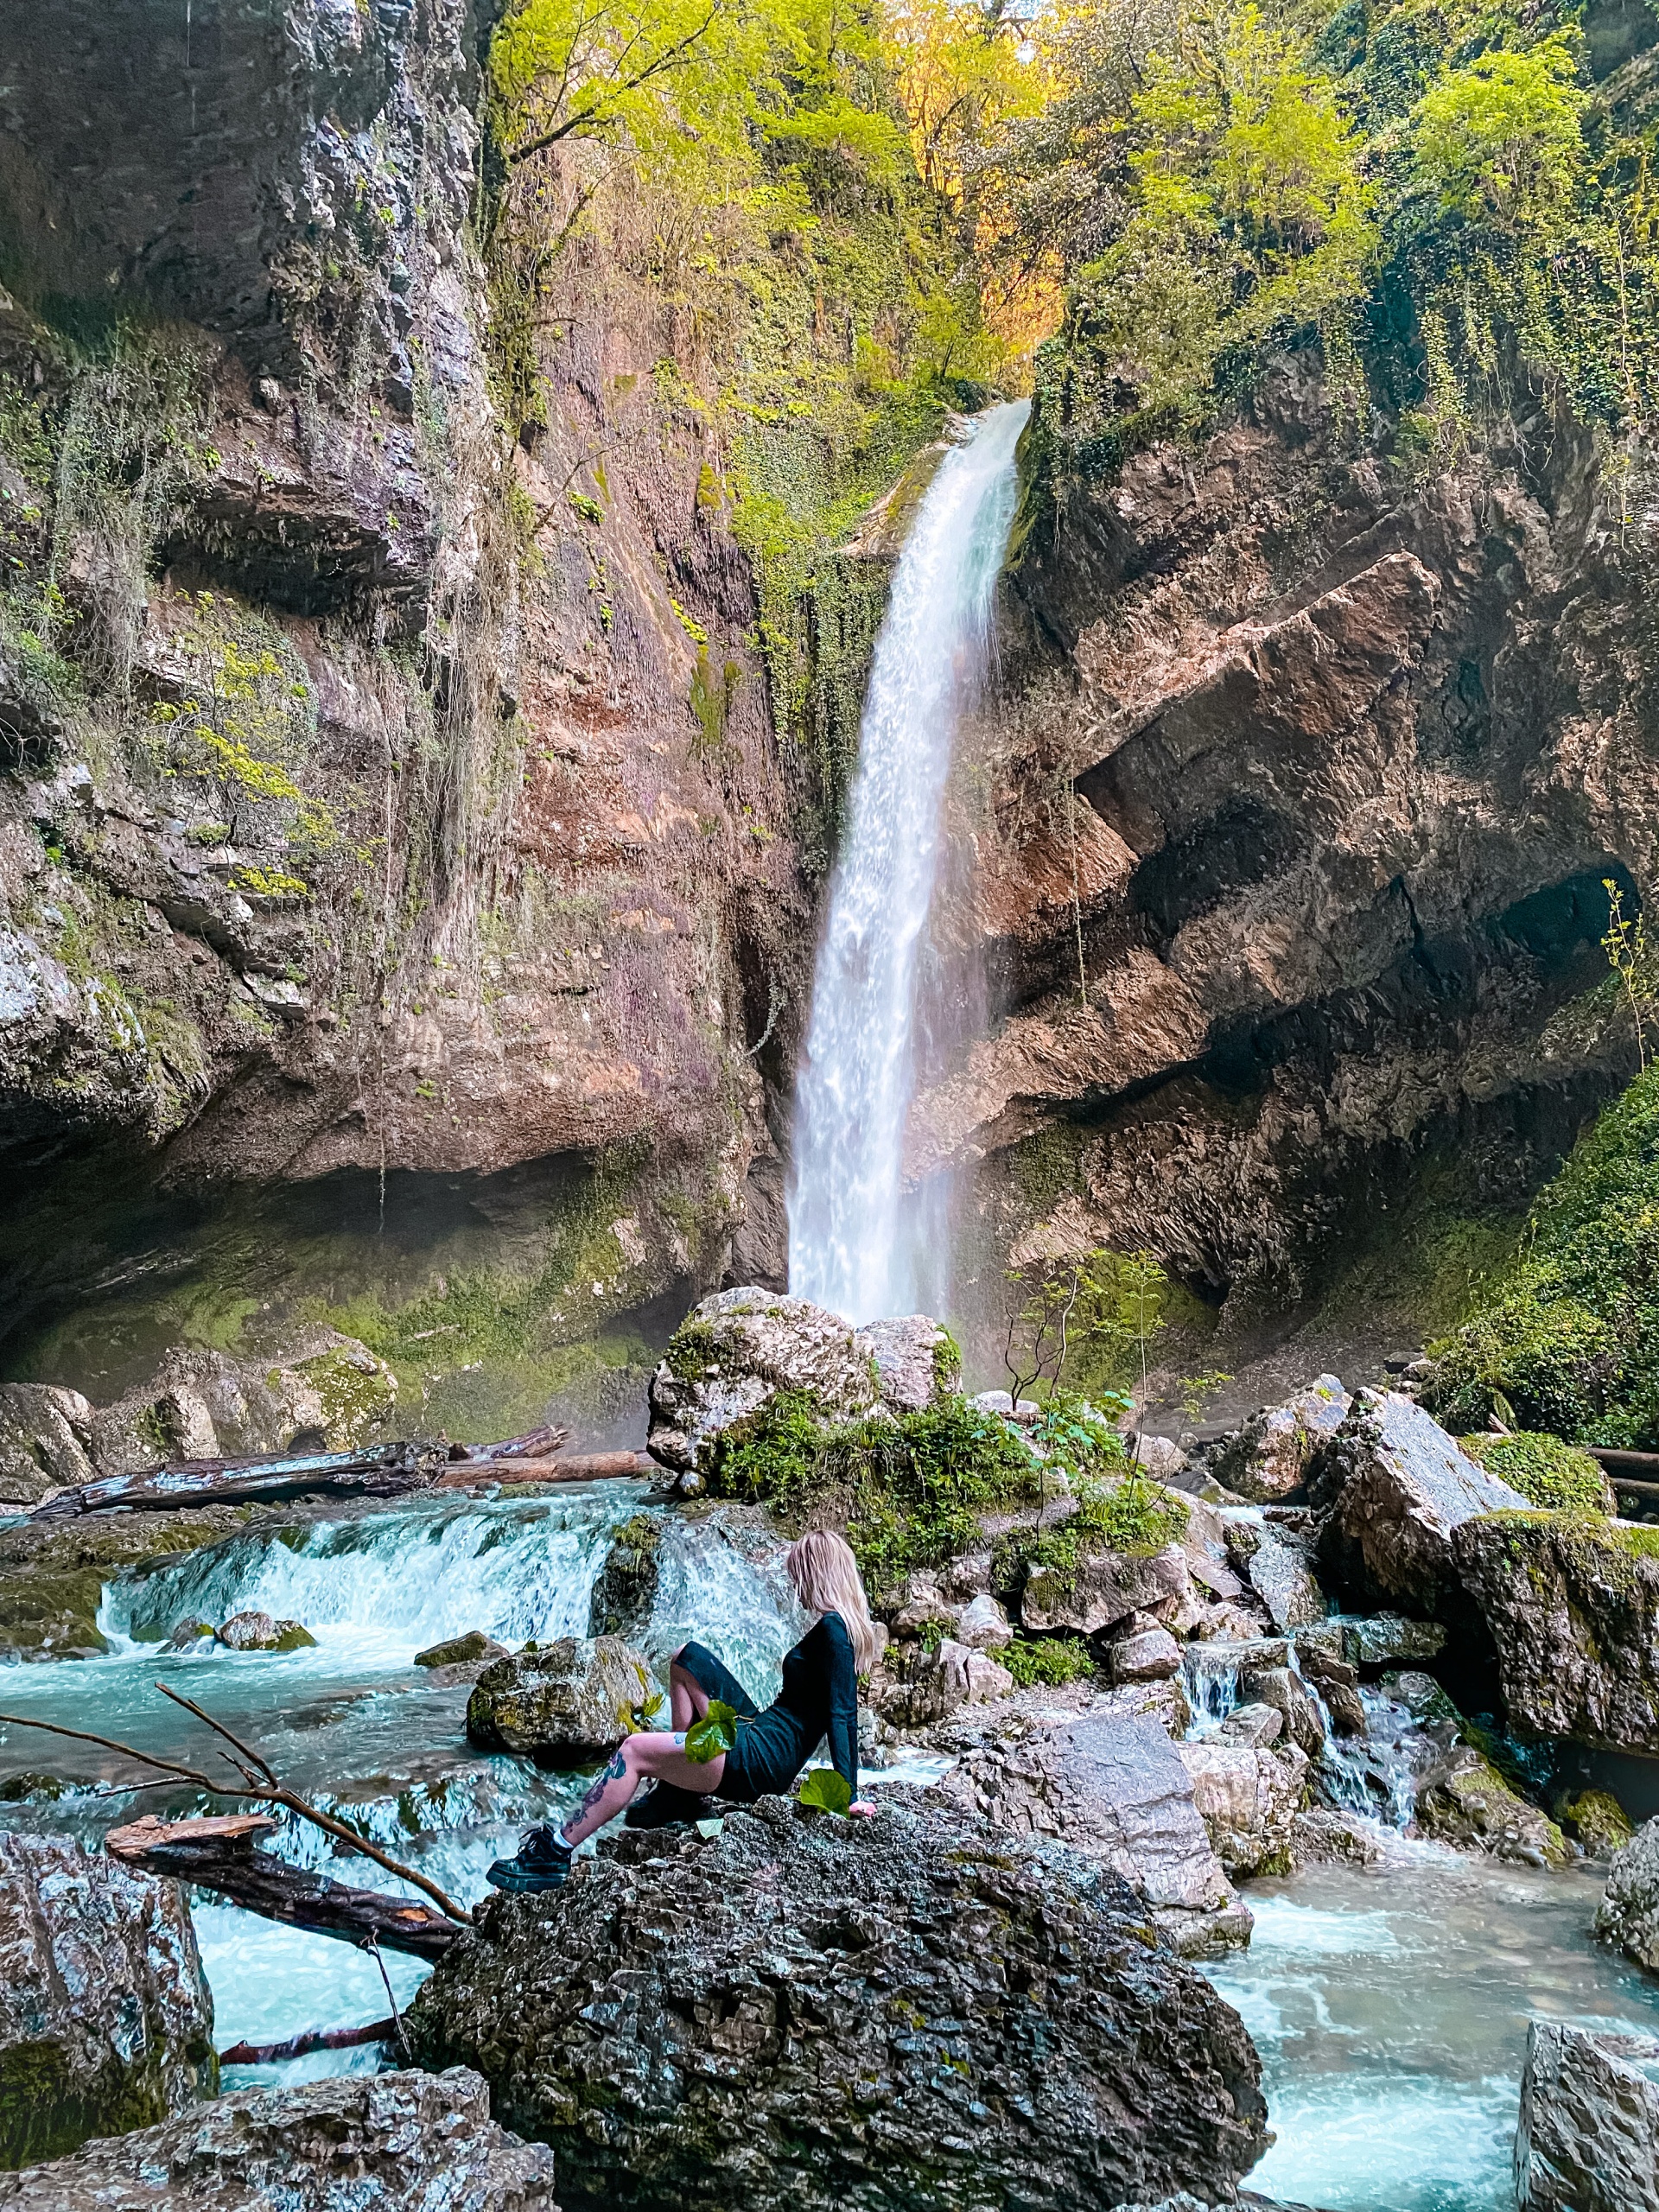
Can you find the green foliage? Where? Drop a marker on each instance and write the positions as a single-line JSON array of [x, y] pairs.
[[1133, 1516], [911, 1491], [825, 1791], [1501, 140], [715, 1734], [1091, 1315], [1568, 1337], [1544, 1469], [1050, 1659]]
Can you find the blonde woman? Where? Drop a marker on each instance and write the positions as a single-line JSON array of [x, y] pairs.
[[819, 1698]]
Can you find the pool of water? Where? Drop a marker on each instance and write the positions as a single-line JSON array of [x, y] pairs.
[[1390, 2007]]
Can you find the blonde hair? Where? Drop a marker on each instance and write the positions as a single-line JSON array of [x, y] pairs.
[[827, 1581]]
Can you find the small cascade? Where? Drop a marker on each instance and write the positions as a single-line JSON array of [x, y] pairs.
[[849, 1247], [1211, 1672]]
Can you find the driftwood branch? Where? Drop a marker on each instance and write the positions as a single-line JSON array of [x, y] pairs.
[[387, 1470], [260, 1782], [219, 1855], [301, 2046]]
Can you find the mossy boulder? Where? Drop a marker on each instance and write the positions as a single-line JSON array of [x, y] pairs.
[[1572, 1605], [53, 1573], [1629, 1913], [626, 1588], [106, 2022], [1595, 1819], [1469, 1804], [563, 1703], [737, 1351], [462, 1650]]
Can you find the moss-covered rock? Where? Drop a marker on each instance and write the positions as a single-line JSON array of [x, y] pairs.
[[626, 1588], [563, 1703], [1595, 1819], [1469, 1804], [53, 1573], [462, 1650], [259, 1631], [1572, 1602]]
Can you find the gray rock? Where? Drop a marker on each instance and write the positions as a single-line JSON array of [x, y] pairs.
[[1105, 1589], [1247, 1800], [1267, 1459], [1282, 1577], [1116, 1790], [1588, 2139], [1390, 1490], [570, 1701], [408, 2142], [731, 1356], [1150, 1655], [625, 1589], [43, 1433], [106, 2022], [204, 1405], [1628, 1912], [475, 1648], [1256, 1725], [1283, 1689], [1337, 1684], [983, 1623], [258, 1631], [1381, 1639], [804, 2013], [1320, 1837], [915, 1686], [916, 1361], [999, 1401], [1572, 1606]]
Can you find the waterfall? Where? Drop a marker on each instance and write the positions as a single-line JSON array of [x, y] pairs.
[[847, 1248]]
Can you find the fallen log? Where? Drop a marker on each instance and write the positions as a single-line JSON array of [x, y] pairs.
[[218, 1854], [540, 1443], [384, 1470], [569, 1467], [301, 2046], [1627, 1463]]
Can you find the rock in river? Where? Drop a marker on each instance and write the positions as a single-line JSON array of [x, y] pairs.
[[383, 2143], [261, 1632], [1628, 1912], [1589, 2135], [1389, 1489], [805, 2014], [567, 1701], [105, 2023], [1572, 1602]]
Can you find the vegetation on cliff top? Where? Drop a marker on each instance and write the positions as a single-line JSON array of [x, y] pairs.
[[1567, 1341]]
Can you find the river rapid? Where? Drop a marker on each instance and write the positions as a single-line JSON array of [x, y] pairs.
[[1390, 2004]]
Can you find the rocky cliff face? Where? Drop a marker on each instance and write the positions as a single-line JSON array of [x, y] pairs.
[[1303, 783], [369, 812]]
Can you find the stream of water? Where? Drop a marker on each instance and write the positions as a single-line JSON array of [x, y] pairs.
[[852, 1245]]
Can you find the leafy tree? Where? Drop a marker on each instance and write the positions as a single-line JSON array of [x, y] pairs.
[[1501, 141]]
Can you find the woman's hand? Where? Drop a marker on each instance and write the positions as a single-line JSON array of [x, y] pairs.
[[861, 1808]]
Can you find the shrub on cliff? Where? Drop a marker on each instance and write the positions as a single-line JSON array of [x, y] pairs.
[[1551, 1473], [1568, 1341]]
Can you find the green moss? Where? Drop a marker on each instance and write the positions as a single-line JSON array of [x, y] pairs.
[[1597, 1819], [1049, 1659], [910, 1490], [947, 1363], [356, 1397], [1544, 1469], [1566, 1342]]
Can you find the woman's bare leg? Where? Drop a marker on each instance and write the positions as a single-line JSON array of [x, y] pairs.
[[656, 1756], [688, 1700]]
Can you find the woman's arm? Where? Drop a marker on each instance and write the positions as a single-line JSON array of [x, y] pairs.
[[843, 1702]]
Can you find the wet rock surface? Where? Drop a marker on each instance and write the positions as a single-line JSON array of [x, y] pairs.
[[52, 1576], [261, 1632], [1390, 1490], [1628, 1912], [567, 1700], [1572, 1603], [1268, 1461], [731, 1355], [1117, 1789], [802, 2013], [106, 2022], [1248, 1798], [1588, 2139], [407, 2142]]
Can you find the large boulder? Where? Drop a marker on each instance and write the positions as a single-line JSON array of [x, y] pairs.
[[1280, 1567], [1267, 1459], [804, 2013], [916, 1361], [387, 2143], [734, 1352], [1116, 1790], [1390, 1490], [625, 1589], [1104, 1588], [1628, 1912], [563, 1702], [44, 1434], [917, 1684], [106, 2022], [1588, 2139], [1247, 1800], [53, 1573], [1465, 1801], [1572, 1602]]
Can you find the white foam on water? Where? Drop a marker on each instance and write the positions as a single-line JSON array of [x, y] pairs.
[[1362, 2142]]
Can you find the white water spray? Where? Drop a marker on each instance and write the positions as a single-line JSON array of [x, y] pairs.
[[847, 1249]]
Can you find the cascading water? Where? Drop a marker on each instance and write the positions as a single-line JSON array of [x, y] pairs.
[[849, 1249]]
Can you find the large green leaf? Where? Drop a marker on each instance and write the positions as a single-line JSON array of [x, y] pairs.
[[715, 1733], [825, 1790]]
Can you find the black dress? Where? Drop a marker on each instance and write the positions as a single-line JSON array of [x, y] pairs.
[[819, 1698]]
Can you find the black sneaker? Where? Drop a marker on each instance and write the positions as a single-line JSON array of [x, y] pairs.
[[663, 1804], [543, 1863]]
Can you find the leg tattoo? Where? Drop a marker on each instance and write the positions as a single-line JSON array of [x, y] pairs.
[[601, 1782]]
